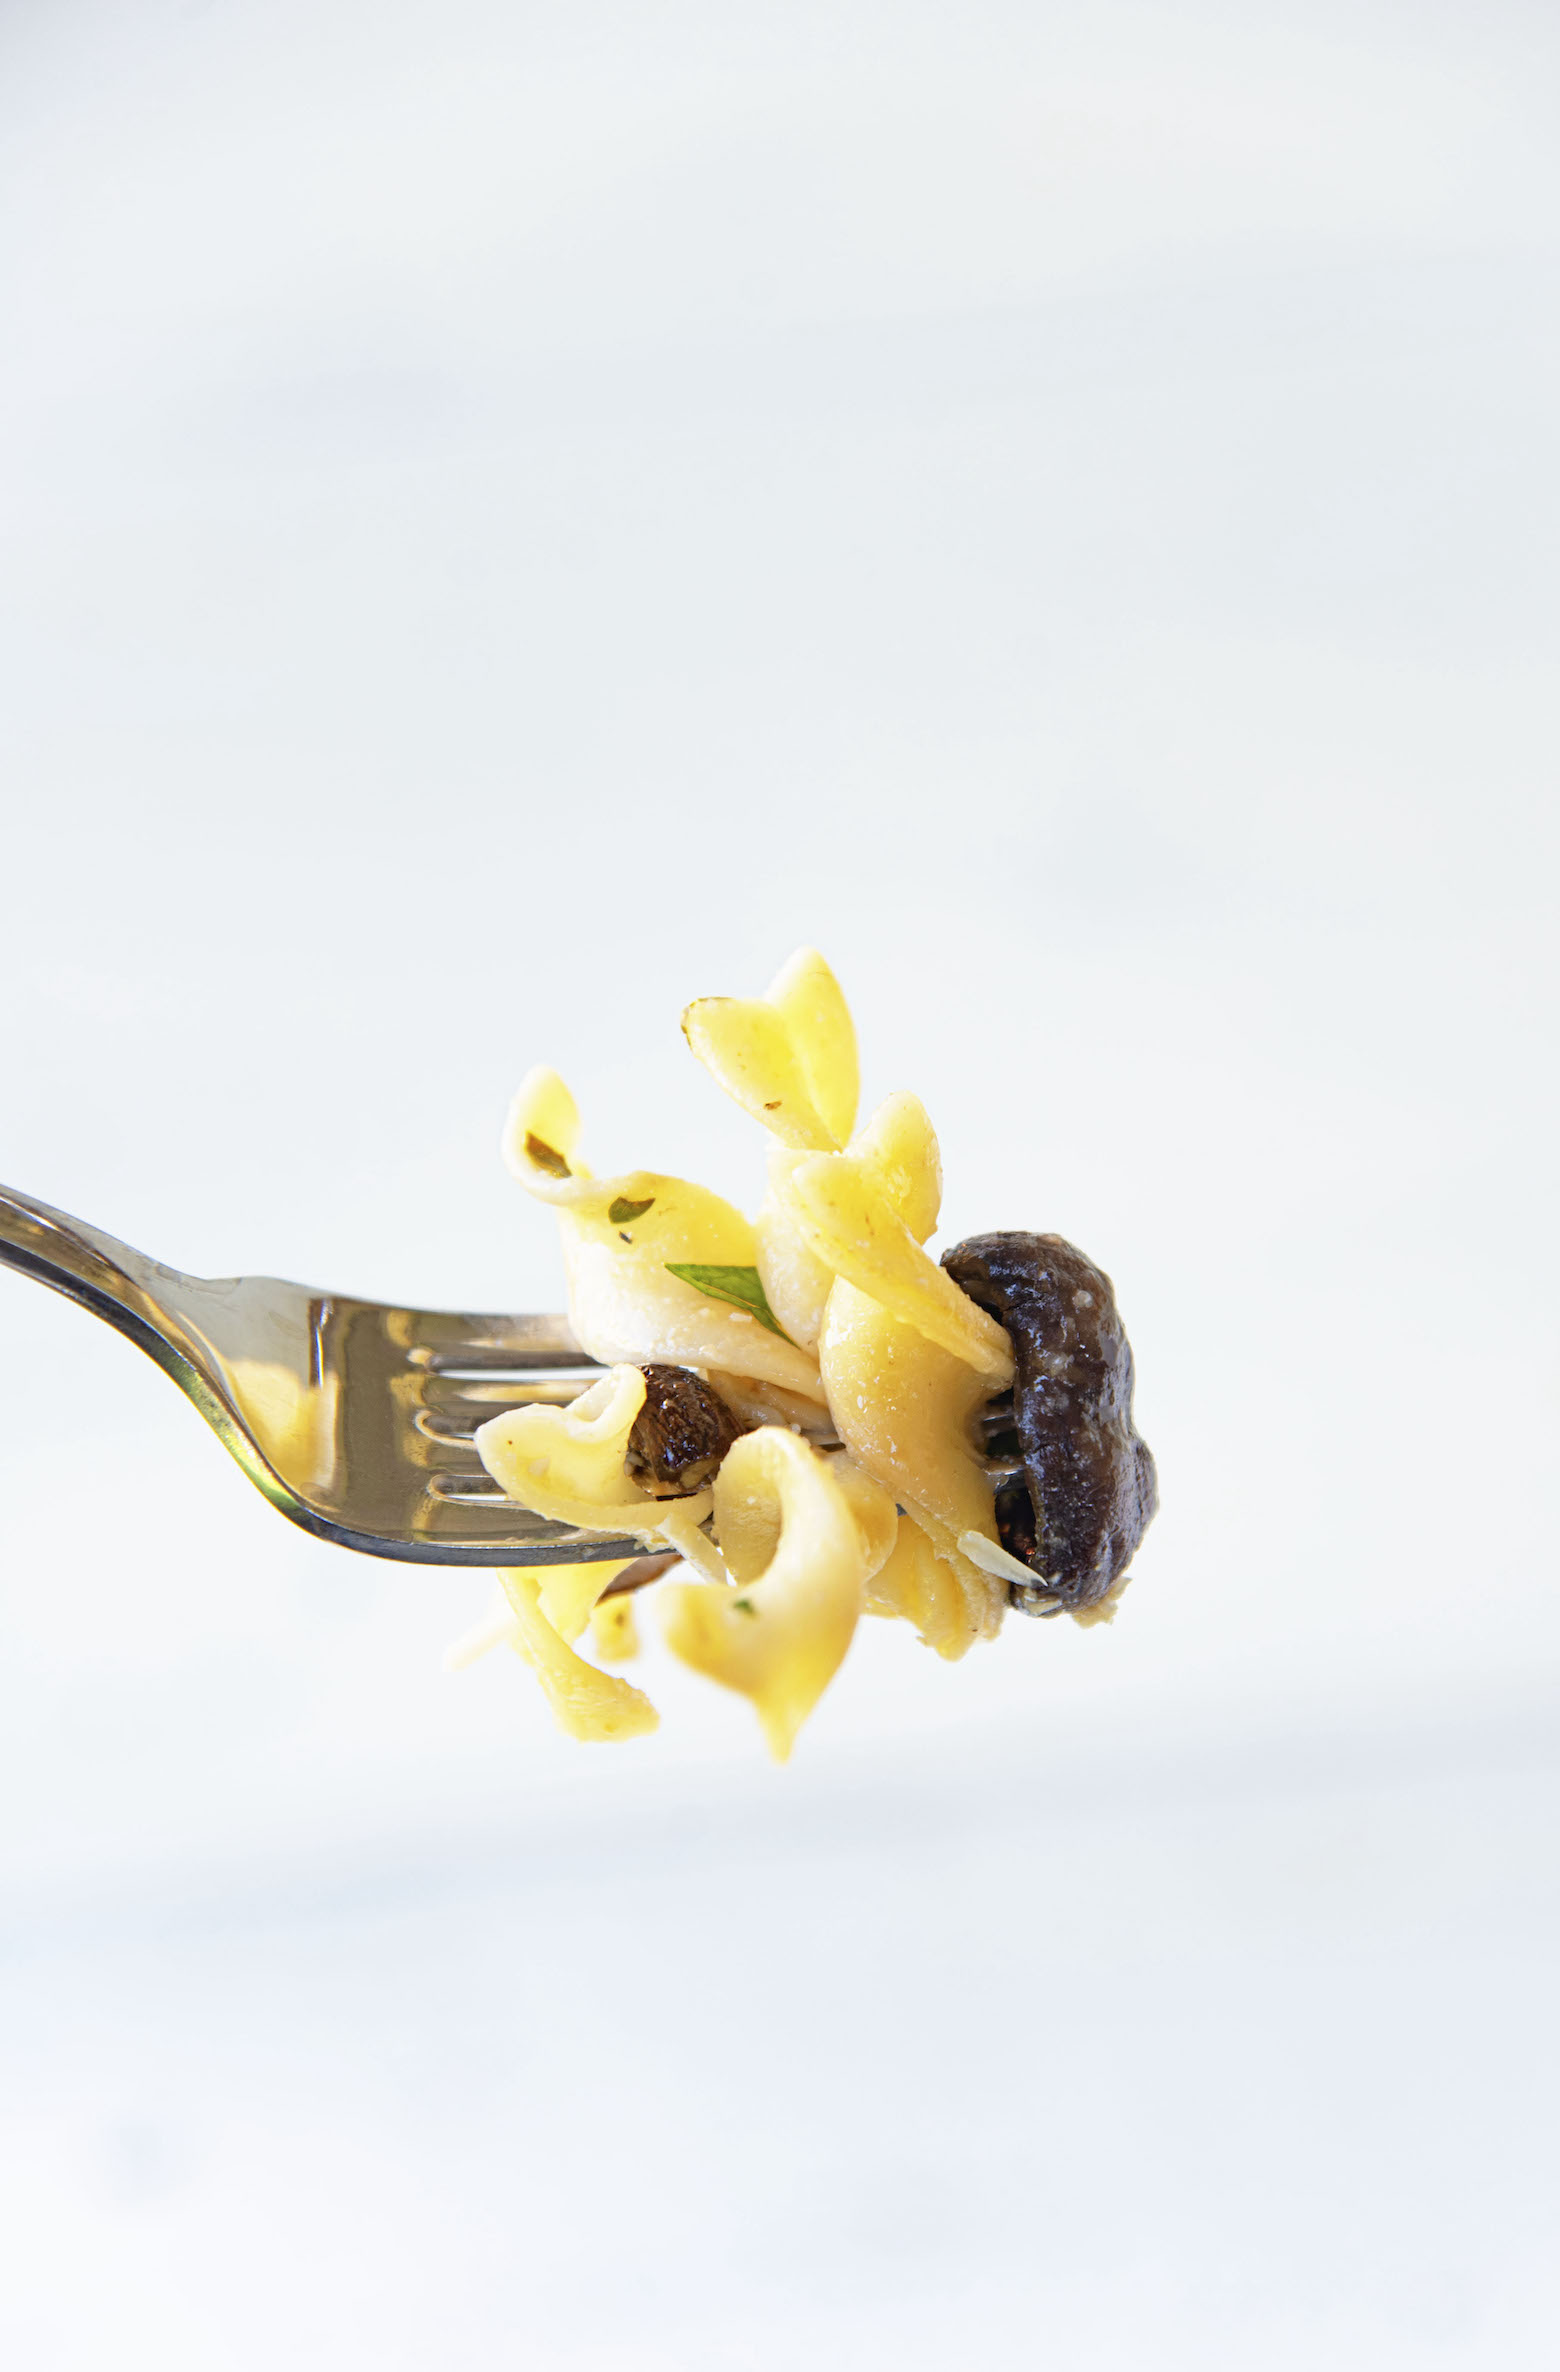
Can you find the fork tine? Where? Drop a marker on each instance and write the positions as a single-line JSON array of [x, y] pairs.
[[463, 1402], [441, 1340]]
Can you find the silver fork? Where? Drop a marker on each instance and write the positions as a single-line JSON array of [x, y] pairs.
[[354, 1419]]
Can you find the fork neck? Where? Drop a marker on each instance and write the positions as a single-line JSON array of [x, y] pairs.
[[107, 1276]]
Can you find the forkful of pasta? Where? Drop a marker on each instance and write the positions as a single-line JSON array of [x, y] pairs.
[[781, 1423]]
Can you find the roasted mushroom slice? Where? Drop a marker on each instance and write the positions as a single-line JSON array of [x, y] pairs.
[[680, 1435], [1087, 1490]]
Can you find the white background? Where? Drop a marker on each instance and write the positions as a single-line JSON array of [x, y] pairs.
[[517, 515]]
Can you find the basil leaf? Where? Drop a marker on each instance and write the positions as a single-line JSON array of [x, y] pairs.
[[622, 1211], [546, 1157], [739, 1286]]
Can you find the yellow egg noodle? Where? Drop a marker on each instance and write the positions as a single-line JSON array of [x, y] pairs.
[[850, 1377]]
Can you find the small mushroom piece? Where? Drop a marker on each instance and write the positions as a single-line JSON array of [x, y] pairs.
[[1088, 1489], [680, 1435]]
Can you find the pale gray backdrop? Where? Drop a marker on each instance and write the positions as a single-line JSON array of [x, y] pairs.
[[517, 515]]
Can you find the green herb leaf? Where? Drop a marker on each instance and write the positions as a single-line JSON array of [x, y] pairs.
[[743, 1606], [622, 1211], [739, 1286], [546, 1157]]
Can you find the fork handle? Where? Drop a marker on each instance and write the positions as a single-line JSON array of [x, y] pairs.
[[107, 1277], [140, 1297]]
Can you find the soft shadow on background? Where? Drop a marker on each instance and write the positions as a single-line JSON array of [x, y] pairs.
[[518, 516]]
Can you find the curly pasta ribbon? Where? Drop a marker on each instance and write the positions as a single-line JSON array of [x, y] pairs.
[[789, 1057], [905, 1410], [800, 1539], [899, 1146], [614, 1633], [593, 1706], [619, 1235], [567, 1463], [931, 1592], [848, 1219], [569, 1599]]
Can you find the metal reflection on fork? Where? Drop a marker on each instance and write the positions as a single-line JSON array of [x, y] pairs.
[[354, 1418]]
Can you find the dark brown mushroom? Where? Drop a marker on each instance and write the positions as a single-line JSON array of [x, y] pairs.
[[1087, 1491], [680, 1435]]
